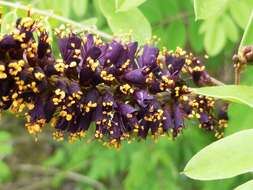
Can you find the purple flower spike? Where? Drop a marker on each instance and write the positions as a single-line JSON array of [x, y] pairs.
[[128, 92]]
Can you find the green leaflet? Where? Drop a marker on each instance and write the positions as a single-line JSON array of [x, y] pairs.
[[127, 21], [231, 29], [5, 145], [234, 93], [246, 186], [80, 7], [224, 158], [129, 4], [8, 21], [176, 35], [215, 37], [5, 173], [240, 12], [206, 9]]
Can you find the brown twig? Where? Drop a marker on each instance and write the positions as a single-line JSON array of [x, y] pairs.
[[216, 82], [237, 75], [68, 174], [169, 19]]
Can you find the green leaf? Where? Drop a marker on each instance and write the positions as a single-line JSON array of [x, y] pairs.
[[124, 22], [5, 145], [128, 21], [215, 38], [247, 38], [64, 5], [80, 7], [4, 136], [129, 4], [90, 22], [231, 30], [176, 34], [8, 22], [157, 10], [205, 9], [236, 111], [5, 173], [224, 158], [240, 12], [56, 159], [108, 9], [195, 38], [234, 93], [246, 186]]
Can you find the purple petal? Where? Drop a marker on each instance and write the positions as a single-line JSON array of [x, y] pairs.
[[135, 77]]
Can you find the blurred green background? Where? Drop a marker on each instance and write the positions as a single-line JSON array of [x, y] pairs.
[[26, 164]]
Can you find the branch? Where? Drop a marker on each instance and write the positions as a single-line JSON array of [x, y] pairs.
[[170, 19], [50, 14], [216, 82], [68, 174], [36, 184]]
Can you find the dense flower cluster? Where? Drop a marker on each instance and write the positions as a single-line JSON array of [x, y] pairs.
[[128, 92]]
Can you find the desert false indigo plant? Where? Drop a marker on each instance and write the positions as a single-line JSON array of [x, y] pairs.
[[116, 90]]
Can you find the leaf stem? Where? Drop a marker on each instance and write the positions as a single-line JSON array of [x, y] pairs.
[[50, 14]]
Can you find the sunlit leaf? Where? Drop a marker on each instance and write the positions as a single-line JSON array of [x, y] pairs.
[[224, 158], [246, 186], [8, 22], [234, 93], [215, 38], [108, 8], [130, 21], [243, 112], [240, 11], [127, 21], [205, 9], [90, 22], [129, 4], [231, 30], [80, 7]]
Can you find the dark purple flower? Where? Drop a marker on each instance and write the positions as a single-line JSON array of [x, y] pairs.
[[149, 57], [167, 119], [136, 77], [178, 119], [70, 48], [174, 64], [89, 49], [143, 98]]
